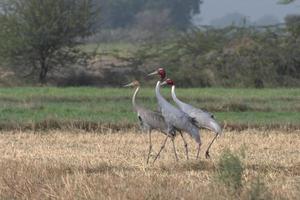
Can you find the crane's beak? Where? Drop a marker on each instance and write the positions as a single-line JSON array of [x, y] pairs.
[[163, 83], [129, 85], [153, 73]]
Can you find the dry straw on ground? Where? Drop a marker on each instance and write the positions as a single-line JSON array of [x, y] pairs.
[[81, 165]]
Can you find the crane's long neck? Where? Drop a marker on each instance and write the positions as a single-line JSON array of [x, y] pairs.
[[174, 95], [180, 104], [160, 98], [134, 97]]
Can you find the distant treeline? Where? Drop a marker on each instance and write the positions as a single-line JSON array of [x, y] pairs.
[[41, 40], [229, 57], [38, 38], [128, 13]]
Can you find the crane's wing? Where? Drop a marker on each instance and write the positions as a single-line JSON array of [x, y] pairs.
[[204, 120], [153, 119], [193, 120]]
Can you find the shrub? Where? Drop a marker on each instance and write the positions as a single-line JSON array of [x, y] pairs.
[[230, 170]]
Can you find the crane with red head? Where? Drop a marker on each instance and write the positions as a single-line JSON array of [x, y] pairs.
[[175, 118], [202, 119]]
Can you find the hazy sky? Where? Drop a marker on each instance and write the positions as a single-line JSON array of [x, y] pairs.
[[255, 9]]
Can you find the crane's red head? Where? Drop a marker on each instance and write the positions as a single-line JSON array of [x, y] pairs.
[[168, 82], [161, 72]]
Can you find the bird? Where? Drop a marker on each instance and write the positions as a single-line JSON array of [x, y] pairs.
[[150, 120], [203, 119], [175, 118]]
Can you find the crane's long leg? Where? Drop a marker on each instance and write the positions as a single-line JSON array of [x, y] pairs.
[[174, 149], [150, 146], [162, 147], [207, 151], [185, 145], [199, 145]]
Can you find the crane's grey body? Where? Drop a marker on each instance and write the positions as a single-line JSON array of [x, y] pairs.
[[175, 118], [203, 119], [150, 120]]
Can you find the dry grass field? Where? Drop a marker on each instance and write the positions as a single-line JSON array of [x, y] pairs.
[[82, 165]]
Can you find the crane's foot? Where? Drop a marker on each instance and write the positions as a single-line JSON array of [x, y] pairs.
[[207, 156]]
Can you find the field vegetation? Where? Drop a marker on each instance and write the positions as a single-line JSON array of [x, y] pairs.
[[150, 34], [110, 108], [87, 165], [70, 142]]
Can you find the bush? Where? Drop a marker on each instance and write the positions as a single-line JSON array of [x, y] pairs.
[[81, 78], [230, 170], [229, 57]]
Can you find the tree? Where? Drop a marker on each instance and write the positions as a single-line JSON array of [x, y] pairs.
[[293, 24], [228, 57], [181, 11], [285, 1], [122, 13], [40, 35]]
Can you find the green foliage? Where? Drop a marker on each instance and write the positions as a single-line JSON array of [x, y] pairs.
[[230, 170], [40, 35], [285, 1], [124, 13], [229, 57], [180, 10], [293, 24]]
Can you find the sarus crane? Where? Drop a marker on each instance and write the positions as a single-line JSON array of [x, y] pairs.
[[150, 120], [203, 119], [175, 119]]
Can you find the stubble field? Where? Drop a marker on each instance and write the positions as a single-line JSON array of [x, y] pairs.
[[80, 165], [83, 143]]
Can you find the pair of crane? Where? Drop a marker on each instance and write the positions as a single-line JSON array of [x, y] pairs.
[[169, 119]]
